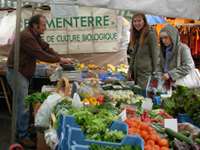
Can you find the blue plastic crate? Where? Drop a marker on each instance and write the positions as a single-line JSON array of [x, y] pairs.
[[69, 132], [65, 122], [132, 140], [76, 136], [69, 121], [80, 147], [109, 75], [184, 118]]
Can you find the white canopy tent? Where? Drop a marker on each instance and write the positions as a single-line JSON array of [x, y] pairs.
[[169, 8]]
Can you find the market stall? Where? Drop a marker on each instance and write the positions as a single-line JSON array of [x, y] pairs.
[[95, 107], [84, 112]]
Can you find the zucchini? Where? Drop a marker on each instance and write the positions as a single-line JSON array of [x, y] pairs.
[[158, 128], [179, 136], [186, 133]]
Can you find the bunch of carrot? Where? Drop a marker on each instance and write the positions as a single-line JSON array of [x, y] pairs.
[[151, 138]]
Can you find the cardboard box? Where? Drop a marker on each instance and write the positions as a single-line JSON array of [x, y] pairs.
[[41, 145]]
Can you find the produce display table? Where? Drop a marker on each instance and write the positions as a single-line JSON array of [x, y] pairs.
[[106, 93]]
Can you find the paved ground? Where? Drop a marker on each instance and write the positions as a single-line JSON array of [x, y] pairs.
[[5, 119], [5, 126]]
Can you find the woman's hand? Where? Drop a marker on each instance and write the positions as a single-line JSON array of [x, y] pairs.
[[165, 76]]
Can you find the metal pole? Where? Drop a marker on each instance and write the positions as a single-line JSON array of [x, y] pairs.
[[33, 8], [16, 68]]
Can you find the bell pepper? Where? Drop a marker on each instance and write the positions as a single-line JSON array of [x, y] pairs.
[[100, 99]]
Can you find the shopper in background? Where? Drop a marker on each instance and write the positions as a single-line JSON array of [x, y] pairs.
[[143, 50], [176, 58], [32, 48]]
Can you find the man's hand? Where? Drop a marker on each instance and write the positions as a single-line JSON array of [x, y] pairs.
[[65, 60], [165, 76]]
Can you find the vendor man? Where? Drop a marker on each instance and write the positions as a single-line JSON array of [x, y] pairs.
[[32, 48]]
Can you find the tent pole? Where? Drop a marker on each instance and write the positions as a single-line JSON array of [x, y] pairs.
[[16, 68]]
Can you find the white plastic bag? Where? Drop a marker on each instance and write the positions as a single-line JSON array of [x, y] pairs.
[[51, 138], [147, 104], [192, 80], [76, 102], [42, 118]]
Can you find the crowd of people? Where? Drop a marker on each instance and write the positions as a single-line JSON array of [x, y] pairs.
[[150, 54]]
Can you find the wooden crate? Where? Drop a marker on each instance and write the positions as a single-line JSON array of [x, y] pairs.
[[41, 145]]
